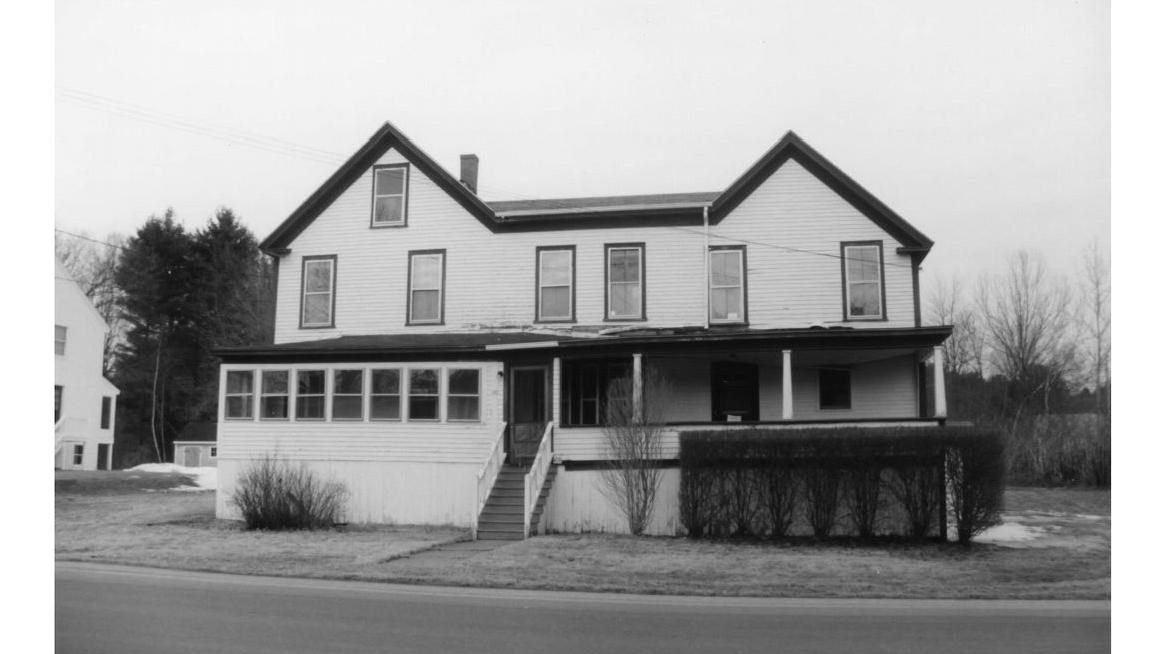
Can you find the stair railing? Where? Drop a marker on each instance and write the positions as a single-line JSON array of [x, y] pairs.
[[487, 474], [537, 473]]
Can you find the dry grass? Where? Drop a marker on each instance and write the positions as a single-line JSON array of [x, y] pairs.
[[170, 529]]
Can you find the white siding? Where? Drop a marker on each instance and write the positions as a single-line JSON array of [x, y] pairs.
[[577, 505], [490, 277]]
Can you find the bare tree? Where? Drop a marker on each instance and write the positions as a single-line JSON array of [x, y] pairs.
[[964, 347], [92, 263], [633, 432], [1094, 317]]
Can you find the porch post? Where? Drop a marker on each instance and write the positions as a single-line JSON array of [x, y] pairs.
[[939, 383], [638, 386], [556, 391], [786, 386]]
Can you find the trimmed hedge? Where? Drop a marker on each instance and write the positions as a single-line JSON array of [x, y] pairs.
[[861, 481]]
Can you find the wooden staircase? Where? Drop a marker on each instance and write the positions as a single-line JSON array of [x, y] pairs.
[[503, 517]]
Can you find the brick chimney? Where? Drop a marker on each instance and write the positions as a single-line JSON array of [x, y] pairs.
[[469, 171]]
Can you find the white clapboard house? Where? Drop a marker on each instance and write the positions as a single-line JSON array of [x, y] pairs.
[[446, 357], [85, 401]]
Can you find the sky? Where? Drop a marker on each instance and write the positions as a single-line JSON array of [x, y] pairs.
[[986, 125]]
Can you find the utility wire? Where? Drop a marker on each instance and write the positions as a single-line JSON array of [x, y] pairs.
[[775, 245]]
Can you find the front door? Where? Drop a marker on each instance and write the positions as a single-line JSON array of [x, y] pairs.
[[103, 456], [735, 391], [528, 412]]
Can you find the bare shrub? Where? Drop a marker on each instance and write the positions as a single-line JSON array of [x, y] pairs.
[[918, 490], [863, 496], [975, 470], [633, 433], [273, 494], [822, 486], [779, 496]]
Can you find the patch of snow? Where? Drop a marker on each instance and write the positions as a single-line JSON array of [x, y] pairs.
[[1010, 532], [205, 478]]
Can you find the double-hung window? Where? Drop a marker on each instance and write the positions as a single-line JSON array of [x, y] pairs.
[[727, 286], [58, 395], [862, 273], [390, 196], [310, 394], [835, 388], [78, 454], [240, 395], [59, 336], [385, 394], [464, 397], [347, 397], [625, 282], [273, 402], [106, 412], [424, 392], [426, 281], [318, 300], [555, 284]]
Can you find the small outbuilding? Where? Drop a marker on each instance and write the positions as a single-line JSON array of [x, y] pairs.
[[198, 447]]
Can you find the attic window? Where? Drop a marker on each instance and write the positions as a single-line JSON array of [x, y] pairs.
[[862, 271], [390, 196]]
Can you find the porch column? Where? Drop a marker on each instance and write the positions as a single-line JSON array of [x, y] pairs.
[[786, 386], [638, 386], [556, 391], [939, 383]]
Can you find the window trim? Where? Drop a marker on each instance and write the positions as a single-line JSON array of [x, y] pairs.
[[440, 392], [538, 283], [334, 394], [449, 394], [440, 320], [399, 394], [334, 259], [62, 341], [743, 250], [820, 389], [264, 395], [106, 412], [226, 395], [404, 199], [324, 395], [642, 282], [845, 280]]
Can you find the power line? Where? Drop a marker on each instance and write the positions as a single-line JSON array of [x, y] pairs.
[[86, 238], [776, 246]]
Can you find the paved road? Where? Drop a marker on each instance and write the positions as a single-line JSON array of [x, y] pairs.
[[127, 610]]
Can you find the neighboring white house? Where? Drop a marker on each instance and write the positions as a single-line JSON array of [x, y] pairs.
[[423, 336], [86, 403]]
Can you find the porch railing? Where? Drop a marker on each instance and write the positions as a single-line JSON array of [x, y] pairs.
[[537, 473], [487, 475]]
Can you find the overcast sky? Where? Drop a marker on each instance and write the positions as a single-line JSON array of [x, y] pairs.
[[986, 125]]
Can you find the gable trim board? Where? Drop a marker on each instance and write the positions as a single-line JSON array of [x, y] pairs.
[[641, 214]]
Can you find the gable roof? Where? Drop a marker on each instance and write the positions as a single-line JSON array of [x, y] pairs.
[[598, 212]]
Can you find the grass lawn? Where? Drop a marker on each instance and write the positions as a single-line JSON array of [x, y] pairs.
[[103, 518]]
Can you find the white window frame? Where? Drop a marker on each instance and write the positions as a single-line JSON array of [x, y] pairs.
[[399, 394], [413, 257], [336, 394], [439, 393], [403, 195], [849, 282], [449, 394], [263, 394], [60, 339], [640, 310], [324, 394], [330, 261], [542, 285], [226, 395], [742, 286]]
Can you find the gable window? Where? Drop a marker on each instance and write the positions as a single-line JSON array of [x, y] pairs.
[[318, 300], [309, 395], [555, 284], [625, 274], [347, 398], [584, 390], [60, 391], [862, 271], [78, 454], [390, 196], [61, 333], [464, 398], [106, 411], [385, 395], [727, 286], [426, 281], [274, 396], [240, 394], [835, 389], [424, 391]]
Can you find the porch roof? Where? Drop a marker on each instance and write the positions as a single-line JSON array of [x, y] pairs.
[[495, 345]]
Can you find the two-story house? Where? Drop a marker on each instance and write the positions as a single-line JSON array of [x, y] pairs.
[[424, 336], [85, 402]]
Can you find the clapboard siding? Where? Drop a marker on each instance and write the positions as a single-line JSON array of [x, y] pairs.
[[578, 504], [490, 277]]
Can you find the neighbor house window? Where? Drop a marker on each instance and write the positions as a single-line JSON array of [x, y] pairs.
[[424, 391], [426, 281], [464, 397], [390, 195], [862, 272], [624, 282], [240, 394], [555, 284], [106, 411], [727, 288], [60, 334], [347, 396], [60, 391], [309, 394], [78, 454], [275, 395], [835, 389], [318, 301], [385, 395], [213, 452], [584, 389]]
